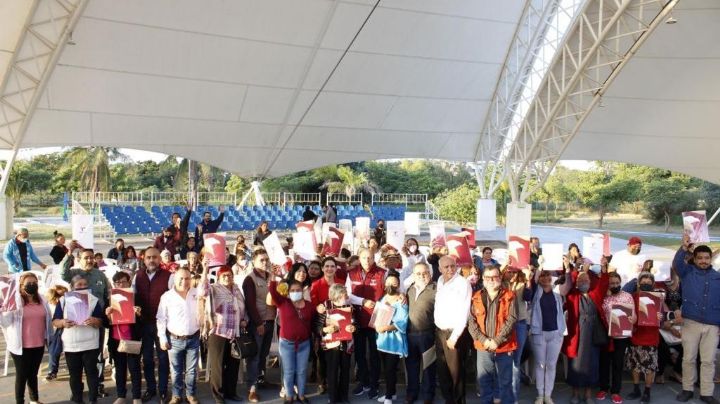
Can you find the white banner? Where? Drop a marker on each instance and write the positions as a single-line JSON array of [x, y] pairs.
[[412, 223], [396, 233], [552, 256], [274, 249], [303, 245], [362, 227], [437, 234], [593, 247], [82, 230]]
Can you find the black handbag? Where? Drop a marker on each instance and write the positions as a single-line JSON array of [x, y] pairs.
[[599, 333], [243, 346]]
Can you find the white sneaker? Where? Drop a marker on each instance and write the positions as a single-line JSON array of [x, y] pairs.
[[383, 398], [388, 401], [282, 392], [540, 400]]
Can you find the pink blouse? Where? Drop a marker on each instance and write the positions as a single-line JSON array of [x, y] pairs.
[[33, 326]]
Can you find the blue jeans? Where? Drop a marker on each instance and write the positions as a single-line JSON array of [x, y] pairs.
[[151, 342], [521, 333], [420, 384], [495, 369], [183, 356], [55, 348], [295, 363]]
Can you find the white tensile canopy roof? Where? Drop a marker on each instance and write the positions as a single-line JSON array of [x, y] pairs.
[[225, 82], [237, 84]]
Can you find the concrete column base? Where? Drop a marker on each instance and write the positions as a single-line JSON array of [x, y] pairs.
[[486, 215], [518, 219]]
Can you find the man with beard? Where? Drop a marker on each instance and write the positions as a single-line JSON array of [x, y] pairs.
[[491, 324]]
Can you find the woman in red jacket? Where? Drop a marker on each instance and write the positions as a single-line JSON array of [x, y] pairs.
[[642, 356], [583, 307]]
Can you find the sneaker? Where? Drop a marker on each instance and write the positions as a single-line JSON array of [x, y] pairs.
[[253, 397], [387, 401], [50, 377], [282, 392], [147, 396], [617, 399], [540, 400], [601, 395], [192, 400], [709, 400], [119, 400], [359, 390], [549, 400], [383, 398], [373, 394], [684, 396], [175, 400]]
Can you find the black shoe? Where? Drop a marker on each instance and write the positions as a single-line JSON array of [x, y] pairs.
[[634, 395], [50, 377], [684, 396], [101, 391], [709, 399], [373, 393], [359, 390], [645, 398], [148, 395]]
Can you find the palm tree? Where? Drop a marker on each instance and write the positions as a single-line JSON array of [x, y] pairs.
[[349, 182], [91, 166]]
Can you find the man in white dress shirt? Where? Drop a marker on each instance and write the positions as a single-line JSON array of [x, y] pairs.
[[452, 307], [179, 332]]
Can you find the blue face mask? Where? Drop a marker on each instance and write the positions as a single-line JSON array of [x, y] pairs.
[[583, 287]]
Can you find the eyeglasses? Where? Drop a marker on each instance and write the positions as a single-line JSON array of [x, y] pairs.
[[422, 273], [491, 278]]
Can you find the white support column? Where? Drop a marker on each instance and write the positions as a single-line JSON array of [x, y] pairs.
[[518, 219], [486, 215], [6, 217]]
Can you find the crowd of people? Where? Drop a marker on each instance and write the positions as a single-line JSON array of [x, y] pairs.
[[444, 316]]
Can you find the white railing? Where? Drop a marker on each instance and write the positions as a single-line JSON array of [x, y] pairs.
[[344, 199], [299, 198], [216, 198], [93, 199], [399, 199]]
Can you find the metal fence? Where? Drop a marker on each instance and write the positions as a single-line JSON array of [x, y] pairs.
[[344, 199], [299, 198]]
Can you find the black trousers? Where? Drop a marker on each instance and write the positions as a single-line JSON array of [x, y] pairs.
[[451, 366], [613, 362], [123, 363], [27, 366], [76, 363], [665, 358], [366, 351], [338, 374], [223, 368], [390, 363]]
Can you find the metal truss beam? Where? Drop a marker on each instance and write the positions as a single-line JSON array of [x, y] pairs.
[[523, 51], [603, 38], [47, 29]]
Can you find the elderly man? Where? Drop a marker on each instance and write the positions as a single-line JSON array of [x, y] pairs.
[[19, 253], [452, 306], [365, 285], [701, 314], [420, 335], [99, 286], [178, 329], [150, 284], [492, 326]]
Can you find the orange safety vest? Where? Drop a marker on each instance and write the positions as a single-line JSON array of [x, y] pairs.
[[478, 310]]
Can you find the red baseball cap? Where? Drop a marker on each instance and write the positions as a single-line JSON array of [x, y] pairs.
[[634, 241]]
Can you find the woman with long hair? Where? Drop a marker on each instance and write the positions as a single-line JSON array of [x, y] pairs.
[[261, 233], [55, 345], [130, 260], [25, 318]]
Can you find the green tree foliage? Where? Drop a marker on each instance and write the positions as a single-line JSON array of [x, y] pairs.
[[458, 204], [24, 179], [603, 192], [91, 166], [350, 182], [417, 176]]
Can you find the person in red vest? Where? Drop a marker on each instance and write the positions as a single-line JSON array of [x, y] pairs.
[[492, 327], [365, 285], [150, 283]]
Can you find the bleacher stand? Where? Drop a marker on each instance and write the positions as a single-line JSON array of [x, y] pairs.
[[126, 219]]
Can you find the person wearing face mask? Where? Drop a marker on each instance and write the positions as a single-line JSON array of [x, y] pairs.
[[673, 301], [380, 234], [19, 254], [26, 326], [642, 355], [337, 353], [547, 327], [628, 262], [411, 256], [392, 339], [99, 286], [81, 342], [491, 323], [221, 321], [296, 316], [701, 317], [612, 358], [583, 306]]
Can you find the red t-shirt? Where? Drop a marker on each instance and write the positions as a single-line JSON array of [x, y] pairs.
[[644, 335], [296, 323]]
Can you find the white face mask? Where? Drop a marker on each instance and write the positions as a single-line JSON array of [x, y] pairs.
[[296, 296], [412, 248]]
